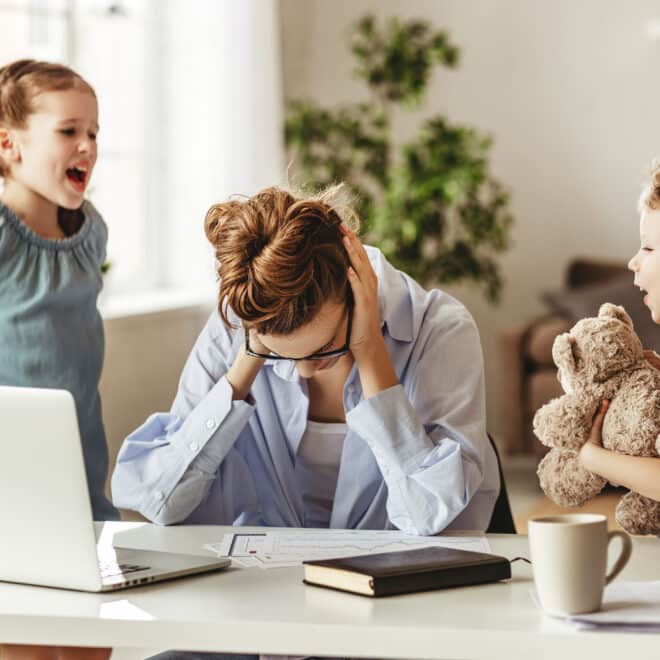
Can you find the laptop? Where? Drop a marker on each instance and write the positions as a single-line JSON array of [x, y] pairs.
[[46, 521]]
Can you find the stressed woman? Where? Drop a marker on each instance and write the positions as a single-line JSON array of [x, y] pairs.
[[327, 390]]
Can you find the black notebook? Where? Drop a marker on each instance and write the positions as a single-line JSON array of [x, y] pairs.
[[423, 569]]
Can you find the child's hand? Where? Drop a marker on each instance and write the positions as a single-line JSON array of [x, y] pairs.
[[596, 435], [652, 358], [595, 439]]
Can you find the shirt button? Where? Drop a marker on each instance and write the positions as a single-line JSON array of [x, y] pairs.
[[158, 495], [194, 446], [210, 423]]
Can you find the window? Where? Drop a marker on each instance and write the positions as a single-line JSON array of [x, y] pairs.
[[109, 44], [190, 113]]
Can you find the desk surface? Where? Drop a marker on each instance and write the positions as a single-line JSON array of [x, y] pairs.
[[271, 611]]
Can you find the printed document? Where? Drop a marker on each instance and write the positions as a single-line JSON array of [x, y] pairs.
[[274, 549]]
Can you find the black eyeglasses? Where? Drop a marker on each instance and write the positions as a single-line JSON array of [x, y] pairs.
[[324, 355]]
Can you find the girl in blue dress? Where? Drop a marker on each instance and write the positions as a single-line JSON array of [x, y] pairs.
[[52, 248]]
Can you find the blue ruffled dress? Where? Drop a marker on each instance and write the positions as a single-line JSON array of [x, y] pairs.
[[51, 332]]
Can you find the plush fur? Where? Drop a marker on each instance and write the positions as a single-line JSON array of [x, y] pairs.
[[601, 358]]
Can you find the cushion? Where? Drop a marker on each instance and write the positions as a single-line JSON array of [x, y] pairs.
[[576, 304], [543, 386], [542, 335]]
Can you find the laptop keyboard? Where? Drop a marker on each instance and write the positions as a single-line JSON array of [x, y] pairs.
[[112, 569]]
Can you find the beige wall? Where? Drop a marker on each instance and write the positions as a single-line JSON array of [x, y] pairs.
[[568, 90]]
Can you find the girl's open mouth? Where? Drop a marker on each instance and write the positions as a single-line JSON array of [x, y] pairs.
[[78, 177]]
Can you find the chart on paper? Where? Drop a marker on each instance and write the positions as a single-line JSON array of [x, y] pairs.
[[275, 549]]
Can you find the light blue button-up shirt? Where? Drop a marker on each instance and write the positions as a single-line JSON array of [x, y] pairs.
[[416, 456]]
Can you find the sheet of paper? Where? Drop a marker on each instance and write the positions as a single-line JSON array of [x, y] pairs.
[[274, 549], [627, 606]]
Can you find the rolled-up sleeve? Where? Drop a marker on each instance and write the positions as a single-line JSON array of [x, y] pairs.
[[166, 467], [428, 435]]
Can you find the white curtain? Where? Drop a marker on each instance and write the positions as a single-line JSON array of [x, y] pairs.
[[190, 96], [221, 115]]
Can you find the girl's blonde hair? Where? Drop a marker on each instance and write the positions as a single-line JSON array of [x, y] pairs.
[[23, 80], [650, 197], [280, 256]]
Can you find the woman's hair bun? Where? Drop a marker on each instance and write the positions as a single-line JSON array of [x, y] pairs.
[[279, 256]]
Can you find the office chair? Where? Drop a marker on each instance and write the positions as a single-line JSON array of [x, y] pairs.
[[501, 522]]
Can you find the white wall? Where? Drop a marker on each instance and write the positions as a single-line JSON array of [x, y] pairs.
[[569, 92]]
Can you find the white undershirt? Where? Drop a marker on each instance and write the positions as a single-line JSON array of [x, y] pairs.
[[317, 468]]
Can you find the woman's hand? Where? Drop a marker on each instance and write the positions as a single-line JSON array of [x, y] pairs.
[[367, 343], [245, 368], [366, 330], [255, 343]]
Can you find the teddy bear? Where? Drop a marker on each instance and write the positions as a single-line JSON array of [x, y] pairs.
[[601, 358]]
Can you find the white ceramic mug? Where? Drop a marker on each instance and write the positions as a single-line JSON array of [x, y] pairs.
[[569, 561]]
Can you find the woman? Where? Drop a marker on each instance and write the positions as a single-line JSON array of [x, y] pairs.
[[327, 390]]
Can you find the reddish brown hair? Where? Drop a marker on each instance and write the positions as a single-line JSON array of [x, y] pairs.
[[280, 257], [23, 80]]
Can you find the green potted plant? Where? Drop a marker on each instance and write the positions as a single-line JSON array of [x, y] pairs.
[[430, 204]]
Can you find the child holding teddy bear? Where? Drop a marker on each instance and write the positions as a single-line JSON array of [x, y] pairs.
[[640, 474]]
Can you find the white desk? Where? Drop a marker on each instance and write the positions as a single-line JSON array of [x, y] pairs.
[[271, 611]]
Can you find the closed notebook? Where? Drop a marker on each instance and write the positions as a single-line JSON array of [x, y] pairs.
[[401, 572]]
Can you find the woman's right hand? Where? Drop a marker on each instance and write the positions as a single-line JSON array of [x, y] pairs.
[[242, 373], [652, 358], [255, 343]]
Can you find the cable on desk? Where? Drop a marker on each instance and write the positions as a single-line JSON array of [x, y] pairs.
[[520, 559]]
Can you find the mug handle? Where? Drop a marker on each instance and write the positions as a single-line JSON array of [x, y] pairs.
[[626, 550]]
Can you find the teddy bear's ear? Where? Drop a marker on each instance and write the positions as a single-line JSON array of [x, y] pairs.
[[610, 311], [563, 353]]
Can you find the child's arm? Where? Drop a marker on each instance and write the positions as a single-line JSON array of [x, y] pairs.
[[641, 474]]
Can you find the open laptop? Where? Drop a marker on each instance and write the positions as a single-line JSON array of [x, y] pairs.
[[46, 527]]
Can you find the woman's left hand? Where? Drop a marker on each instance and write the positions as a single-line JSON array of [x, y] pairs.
[[366, 332]]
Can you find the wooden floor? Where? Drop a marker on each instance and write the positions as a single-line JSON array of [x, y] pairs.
[[604, 503]]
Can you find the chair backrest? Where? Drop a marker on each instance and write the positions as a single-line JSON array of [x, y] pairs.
[[501, 522], [583, 271]]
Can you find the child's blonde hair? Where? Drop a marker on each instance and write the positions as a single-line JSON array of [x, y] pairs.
[[650, 197], [23, 80]]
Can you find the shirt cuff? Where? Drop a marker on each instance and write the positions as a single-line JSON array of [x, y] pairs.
[[216, 422], [206, 436]]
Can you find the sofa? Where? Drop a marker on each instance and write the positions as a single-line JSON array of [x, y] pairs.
[[528, 376]]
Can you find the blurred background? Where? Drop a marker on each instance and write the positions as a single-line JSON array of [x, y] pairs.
[[549, 124]]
